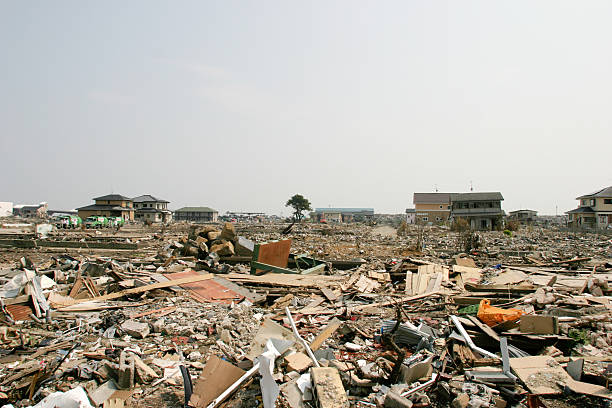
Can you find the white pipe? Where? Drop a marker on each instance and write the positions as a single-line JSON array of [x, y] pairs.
[[300, 339], [469, 341], [233, 387]]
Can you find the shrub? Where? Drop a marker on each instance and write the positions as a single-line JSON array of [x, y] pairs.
[[460, 225], [513, 225]]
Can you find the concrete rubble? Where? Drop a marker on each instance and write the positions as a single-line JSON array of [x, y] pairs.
[[426, 317]]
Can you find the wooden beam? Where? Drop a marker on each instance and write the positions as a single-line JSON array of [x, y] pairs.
[[146, 288]]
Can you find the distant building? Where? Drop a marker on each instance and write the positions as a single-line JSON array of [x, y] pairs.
[[410, 215], [6, 209], [30, 210], [149, 208], [339, 215], [432, 208], [482, 210], [524, 217], [594, 210], [196, 214], [112, 205]]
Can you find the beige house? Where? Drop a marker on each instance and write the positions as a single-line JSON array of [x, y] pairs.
[[112, 205], [432, 207], [594, 210]]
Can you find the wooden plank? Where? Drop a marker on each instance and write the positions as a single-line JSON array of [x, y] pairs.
[[331, 296], [146, 288], [392, 302], [486, 329], [327, 332], [76, 287], [408, 289]]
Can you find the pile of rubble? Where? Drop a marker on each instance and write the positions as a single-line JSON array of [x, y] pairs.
[[214, 318]]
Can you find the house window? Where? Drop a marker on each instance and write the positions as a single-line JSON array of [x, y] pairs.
[[592, 202], [425, 219], [440, 207], [448, 207], [438, 219], [607, 200]]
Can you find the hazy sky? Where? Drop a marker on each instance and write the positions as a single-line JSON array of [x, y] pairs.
[[238, 105]]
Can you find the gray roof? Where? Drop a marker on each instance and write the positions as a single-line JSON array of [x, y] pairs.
[[581, 210], [345, 210], [431, 198], [113, 197], [487, 196], [518, 211], [604, 192], [196, 209], [147, 198]]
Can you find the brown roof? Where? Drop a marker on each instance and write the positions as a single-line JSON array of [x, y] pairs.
[[431, 198]]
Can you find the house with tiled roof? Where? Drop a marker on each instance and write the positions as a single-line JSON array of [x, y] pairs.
[[151, 209], [594, 210], [110, 205]]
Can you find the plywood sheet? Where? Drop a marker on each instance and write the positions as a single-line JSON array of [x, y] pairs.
[[206, 291], [274, 253]]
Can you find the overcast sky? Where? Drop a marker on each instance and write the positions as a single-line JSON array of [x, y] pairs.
[[238, 105]]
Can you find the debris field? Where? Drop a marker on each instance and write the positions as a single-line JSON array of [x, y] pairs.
[[305, 315]]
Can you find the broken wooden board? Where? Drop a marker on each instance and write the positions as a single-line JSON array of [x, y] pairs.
[[326, 333], [146, 288], [328, 388], [286, 279], [429, 278], [209, 291], [397, 301]]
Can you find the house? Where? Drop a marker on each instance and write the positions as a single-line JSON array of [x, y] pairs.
[[481, 210], [338, 215], [523, 216], [111, 205], [594, 210], [149, 208], [31, 210], [432, 207], [6, 209], [410, 215], [196, 214]]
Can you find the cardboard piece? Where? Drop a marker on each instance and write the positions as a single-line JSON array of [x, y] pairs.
[[539, 324], [217, 376]]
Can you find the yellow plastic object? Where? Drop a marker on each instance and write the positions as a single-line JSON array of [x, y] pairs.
[[491, 315]]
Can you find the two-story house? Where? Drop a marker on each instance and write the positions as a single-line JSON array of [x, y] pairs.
[[481, 210], [432, 208], [196, 214], [149, 208], [594, 210], [112, 205]]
